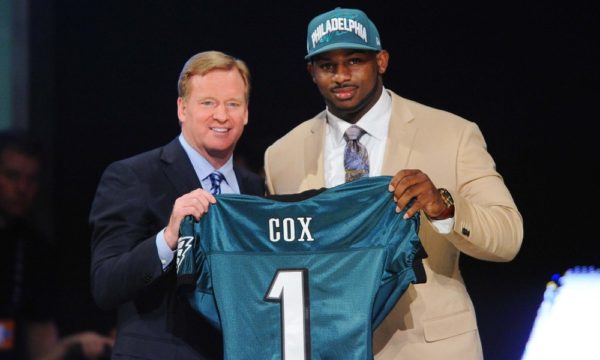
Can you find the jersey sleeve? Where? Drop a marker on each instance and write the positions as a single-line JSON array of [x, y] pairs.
[[403, 267], [186, 263], [193, 278]]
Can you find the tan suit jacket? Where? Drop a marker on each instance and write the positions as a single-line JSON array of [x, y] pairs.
[[435, 320]]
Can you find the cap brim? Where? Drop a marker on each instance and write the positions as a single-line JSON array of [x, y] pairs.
[[341, 45]]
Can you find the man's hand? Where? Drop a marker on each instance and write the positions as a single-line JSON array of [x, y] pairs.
[[93, 345], [45, 344], [194, 203], [411, 184]]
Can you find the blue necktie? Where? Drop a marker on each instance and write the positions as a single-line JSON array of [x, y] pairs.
[[356, 158], [215, 180]]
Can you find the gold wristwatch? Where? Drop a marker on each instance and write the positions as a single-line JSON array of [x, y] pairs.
[[449, 202]]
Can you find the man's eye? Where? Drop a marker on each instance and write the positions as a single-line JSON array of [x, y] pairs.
[[208, 103], [233, 105], [326, 67], [11, 175], [354, 61]]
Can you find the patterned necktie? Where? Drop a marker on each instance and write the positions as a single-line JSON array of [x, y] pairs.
[[215, 180], [356, 158]]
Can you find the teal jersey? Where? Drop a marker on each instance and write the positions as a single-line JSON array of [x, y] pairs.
[[308, 279]]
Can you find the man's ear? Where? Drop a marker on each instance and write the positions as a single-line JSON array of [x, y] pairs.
[[383, 58], [309, 68], [181, 108]]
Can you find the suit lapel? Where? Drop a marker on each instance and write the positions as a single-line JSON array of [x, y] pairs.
[[240, 176], [178, 168], [313, 155], [243, 180], [401, 134]]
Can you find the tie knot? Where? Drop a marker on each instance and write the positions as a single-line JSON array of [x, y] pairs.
[[353, 133], [215, 180]]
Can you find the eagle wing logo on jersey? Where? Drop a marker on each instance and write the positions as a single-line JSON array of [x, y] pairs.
[[184, 244]]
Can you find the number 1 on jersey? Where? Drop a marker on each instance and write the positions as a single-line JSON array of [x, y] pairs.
[[289, 287]]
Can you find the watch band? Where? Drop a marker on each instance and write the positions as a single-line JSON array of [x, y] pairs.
[[449, 202]]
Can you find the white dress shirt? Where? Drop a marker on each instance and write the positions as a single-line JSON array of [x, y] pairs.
[[375, 123]]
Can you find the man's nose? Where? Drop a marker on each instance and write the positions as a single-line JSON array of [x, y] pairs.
[[220, 113], [342, 73]]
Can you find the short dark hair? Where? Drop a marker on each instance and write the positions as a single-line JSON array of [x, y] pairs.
[[21, 142]]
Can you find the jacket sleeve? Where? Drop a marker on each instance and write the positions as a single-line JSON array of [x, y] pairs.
[[125, 259], [487, 225]]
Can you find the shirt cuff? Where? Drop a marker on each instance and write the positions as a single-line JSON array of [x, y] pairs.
[[443, 226], [165, 253]]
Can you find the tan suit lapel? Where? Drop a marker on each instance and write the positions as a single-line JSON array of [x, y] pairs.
[[313, 156], [401, 134]]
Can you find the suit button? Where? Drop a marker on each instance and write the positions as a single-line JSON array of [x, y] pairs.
[[147, 278], [466, 232]]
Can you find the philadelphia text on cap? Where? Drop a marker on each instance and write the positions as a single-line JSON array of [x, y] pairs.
[[338, 24]]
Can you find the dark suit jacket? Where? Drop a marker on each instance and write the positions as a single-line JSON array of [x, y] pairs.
[[133, 203]]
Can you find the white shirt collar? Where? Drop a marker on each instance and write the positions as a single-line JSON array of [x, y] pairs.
[[370, 122], [202, 167]]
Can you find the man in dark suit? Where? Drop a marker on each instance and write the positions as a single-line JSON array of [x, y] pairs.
[[141, 201]]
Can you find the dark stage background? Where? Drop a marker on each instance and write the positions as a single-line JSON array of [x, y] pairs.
[[104, 79]]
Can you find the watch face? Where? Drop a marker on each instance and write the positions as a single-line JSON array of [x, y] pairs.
[[446, 197]]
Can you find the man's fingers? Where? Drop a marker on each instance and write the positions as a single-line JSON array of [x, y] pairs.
[[194, 203], [400, 176], [201, 193]]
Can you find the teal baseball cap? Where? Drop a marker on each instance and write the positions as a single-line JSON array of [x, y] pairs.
[[341, 29]]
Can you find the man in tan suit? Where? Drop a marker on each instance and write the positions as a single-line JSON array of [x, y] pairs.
[[437, 158]]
